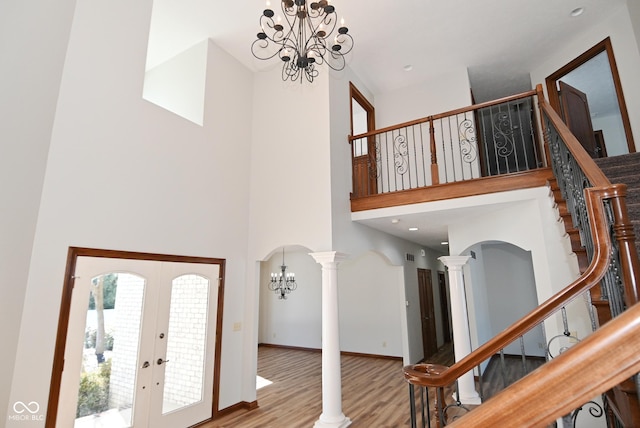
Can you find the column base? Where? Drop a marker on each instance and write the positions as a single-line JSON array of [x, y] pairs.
[[337, 422]]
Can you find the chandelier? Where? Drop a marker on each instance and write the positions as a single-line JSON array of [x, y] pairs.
[[306, 41], [283, 283]]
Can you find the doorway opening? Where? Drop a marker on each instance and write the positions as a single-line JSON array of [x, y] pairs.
[[444, 307], [363, 150], [595, 74], [139, 339], [427, 313]]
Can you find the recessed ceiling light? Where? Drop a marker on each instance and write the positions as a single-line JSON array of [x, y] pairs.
[[577, 11], [408, 67], [395, 221], [413, 229], [444, 243]]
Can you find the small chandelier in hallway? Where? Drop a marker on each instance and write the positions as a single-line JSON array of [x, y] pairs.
[[283, 283], [305, 40]]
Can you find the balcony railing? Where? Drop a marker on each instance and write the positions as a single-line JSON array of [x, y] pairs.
[[605, 362], [483, 140]]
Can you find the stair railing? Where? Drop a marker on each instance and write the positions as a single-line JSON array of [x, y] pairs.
[[487, 139], [575, 170], [602, 360], [599, 211]]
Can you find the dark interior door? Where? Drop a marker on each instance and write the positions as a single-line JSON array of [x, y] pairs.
[[365, 173], [444, 307], [427, 313], [575, 111]]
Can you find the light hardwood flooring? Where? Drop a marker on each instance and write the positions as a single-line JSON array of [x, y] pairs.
[[374, 391], [375, 394]]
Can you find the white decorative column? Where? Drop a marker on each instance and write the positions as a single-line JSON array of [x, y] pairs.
[[332, 415], [460, 323]]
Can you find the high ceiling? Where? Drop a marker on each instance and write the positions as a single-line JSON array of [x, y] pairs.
[[498, 41]]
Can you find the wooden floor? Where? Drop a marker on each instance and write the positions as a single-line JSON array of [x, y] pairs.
[[374, 391]]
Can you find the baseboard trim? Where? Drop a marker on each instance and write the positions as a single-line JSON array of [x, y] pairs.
[[351, 354], [381, 357], [294, 348], [243, 405]]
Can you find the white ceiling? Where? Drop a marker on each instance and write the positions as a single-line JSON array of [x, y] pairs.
[[498, 41]]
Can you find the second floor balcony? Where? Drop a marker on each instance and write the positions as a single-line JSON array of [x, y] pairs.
[[484, 148]]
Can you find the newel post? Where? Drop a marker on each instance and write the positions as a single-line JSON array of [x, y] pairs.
[[545, 142], [625, 236]]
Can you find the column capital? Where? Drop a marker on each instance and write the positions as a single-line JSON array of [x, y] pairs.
[[326, 257], [454, 262]]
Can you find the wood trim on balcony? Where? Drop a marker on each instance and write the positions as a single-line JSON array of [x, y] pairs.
[[481, 186]]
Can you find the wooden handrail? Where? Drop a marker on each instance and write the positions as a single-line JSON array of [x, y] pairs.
[[443, 115], [596, 270], [604, 359], [625, 237], [589, 167], [601, 361]]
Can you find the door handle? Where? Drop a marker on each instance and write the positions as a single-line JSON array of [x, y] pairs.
[[145, 365], [160, 361]]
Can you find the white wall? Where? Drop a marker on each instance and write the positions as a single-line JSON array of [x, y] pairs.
[[528, 220], [371, 304], [33, 41], [290, 165], [178, 84], [110, 149], [296, 321], [511, 290], [355, 239], [475, 284], [619, 27], [448, 91], [371, 296], [613, 131], [634, 12]]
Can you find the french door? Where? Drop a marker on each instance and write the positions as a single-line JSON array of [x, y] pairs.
[[140, 344]]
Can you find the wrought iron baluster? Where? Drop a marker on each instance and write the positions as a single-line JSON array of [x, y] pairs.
[[480, 382], [413, 185], [412, 405], [453, 157], [386, 152], [444, 152], [503, 368], [424, 403], [523, 356]]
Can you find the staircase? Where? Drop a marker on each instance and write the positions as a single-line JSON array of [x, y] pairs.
[[626, 169]]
